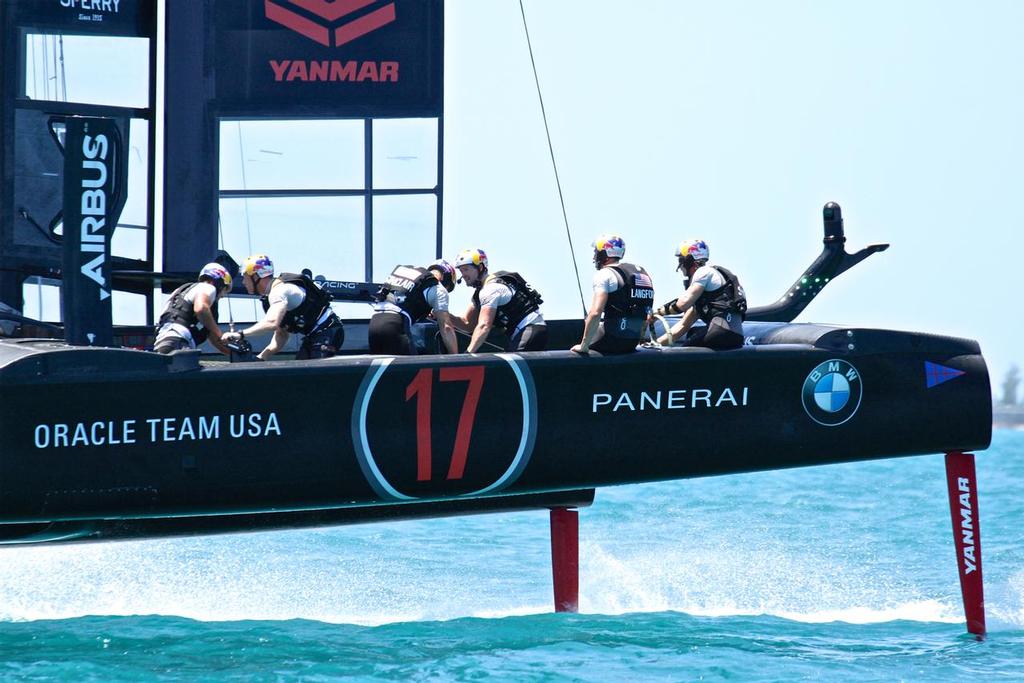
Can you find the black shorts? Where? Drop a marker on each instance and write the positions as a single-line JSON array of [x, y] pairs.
[[389, 334], [614, 345], [324, 342], [715, 336], [530, 338]]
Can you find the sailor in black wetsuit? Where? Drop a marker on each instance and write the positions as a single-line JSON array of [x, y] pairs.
[[191, 313], [407, 297], [293, 304], [501, 299], [623, 295], [713, 294]]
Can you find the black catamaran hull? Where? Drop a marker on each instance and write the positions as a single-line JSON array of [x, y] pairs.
[[106, 443]]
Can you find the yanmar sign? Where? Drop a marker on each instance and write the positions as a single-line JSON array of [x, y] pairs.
[[329, 22], [329, 57]]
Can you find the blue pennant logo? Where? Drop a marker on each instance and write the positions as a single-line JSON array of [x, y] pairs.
[[832, 392], [935, 374]]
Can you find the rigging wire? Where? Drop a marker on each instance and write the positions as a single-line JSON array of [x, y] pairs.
[[245, 186], [56, 87], [63, 75], [220, 233], [551, 149], [46, 71]]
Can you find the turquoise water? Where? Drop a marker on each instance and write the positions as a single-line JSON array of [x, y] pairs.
[[827, 573]]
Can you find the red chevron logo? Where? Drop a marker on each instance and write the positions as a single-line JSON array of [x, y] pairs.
[[323, 24]]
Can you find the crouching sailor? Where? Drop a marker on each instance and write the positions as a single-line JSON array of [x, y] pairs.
[[501, 299], [293, 304], [190, 317], [713, 294], [623, 296], [407, 297]]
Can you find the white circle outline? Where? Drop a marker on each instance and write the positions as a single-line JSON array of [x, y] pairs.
[[860, 394], [514, 468]]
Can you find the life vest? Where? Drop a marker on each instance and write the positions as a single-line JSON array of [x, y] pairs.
[[302, 318], [180, 311], [406, 287], [629, 305], [729, 298], [525, 300]]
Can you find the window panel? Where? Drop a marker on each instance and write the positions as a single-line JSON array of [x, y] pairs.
[[404, 153], [404, 232], [129, 242], [106, 70], [135, 205], [42, 301], [292, 155], [129, 308], [325, 235], [236, 310]]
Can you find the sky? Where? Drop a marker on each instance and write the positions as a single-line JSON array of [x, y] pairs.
[[734, 122]]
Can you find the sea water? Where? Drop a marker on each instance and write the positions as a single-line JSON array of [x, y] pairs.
[[837, 572]]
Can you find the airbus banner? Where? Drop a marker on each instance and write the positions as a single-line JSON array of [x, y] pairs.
[[93, 175], [328, 57]]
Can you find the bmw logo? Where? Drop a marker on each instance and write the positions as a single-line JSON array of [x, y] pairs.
[[832, 392]]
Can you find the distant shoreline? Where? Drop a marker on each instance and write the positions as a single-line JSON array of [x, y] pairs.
[[1008, 417]]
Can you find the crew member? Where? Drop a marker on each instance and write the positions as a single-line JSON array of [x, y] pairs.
[[623, 295], [501, 299], [293, 304], [408, 296], [713, 294], [190, 317]]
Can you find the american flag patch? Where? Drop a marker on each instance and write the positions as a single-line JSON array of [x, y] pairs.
[[642, 280]]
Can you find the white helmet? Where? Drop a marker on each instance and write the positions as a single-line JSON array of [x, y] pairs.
[[258, 265], [217, 273], [608, 247], [472, 257], [692, 251]]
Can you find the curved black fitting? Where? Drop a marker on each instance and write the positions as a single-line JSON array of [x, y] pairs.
[[832, 216], [832, 262]]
